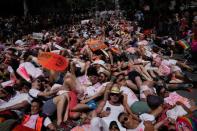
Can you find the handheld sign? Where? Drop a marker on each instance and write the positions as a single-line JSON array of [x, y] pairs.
[[95, 45], [52, 61]]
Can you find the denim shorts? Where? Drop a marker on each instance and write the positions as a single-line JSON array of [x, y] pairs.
[[49, 108], [92, 104]]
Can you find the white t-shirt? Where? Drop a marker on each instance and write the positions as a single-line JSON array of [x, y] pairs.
[[2, 102], [172, 64], [18, 98], [7, 83], [142, 42], [143, 117], [131, 97], [113, 116], [144, 88], [150, 67], [140, 127], [148, 51], [92, 90], [32, 121], [147, 117], [176, 112], [56, 86], [19, 42], [84, 80], [34, 93], [169, 62]]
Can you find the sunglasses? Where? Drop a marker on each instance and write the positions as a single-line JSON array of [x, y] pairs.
[[114, 94], [125, 119]]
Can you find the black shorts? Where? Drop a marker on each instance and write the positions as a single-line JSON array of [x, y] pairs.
[[133, 74], [78, 72]]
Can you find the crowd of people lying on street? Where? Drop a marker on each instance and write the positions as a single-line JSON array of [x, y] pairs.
[[114, 76]]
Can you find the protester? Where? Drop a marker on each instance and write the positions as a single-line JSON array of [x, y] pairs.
[[34, 120], [113, 75]]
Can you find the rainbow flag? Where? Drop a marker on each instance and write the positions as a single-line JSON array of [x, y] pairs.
[[186, 123], [183, 44]]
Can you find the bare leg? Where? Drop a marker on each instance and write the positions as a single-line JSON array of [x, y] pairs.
[[172, 87], [184, 66], [146, 73], [179, 75], [138, 69], [87, 64], [69, 82], [158, 72], [131, 85], [60, 103], [152, 74], [156, 112], [53, 75], [138, 81], [149, 83]]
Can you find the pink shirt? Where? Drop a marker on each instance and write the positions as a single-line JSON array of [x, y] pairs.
[[164, 69], [174, 97]]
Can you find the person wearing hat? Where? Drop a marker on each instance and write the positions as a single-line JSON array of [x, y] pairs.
[[108, 110]]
